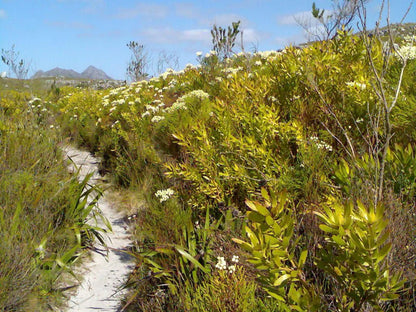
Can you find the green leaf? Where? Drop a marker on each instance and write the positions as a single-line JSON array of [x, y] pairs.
[[269, 220], [338, 240], [192, 259], [246, 246], [281, 279], [275, 295], [262, 210], [337, 271], [302, 258], [255, 217], [326, 228], [251, 205], [265, 194], [15, 221], [383, 253]]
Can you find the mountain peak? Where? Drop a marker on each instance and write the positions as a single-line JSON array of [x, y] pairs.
[[90, 72]]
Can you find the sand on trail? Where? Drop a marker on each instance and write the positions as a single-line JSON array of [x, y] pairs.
[[101, 276]]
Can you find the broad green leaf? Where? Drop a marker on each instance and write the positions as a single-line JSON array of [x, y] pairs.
[[246, 246], [302, 258], [269, 220], [382, 253], [337, 271], [326, 228], [255, 217], [338, 240], [262, 210], [281, 279], [192, 259], [251, 205], [275, 295], [265, 194]]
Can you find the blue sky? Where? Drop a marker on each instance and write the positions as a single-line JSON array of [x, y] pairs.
[[77, 33]]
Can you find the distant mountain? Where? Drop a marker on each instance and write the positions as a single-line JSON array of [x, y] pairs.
[[90, 73], [94, 73]]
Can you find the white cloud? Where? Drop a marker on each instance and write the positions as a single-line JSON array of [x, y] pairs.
[[143, 9], [292, 40], [294, 19], [304, 18], [160, 35], [200, 36], [224, 20], [196, 35], [2, 14], [170, 35], [251, 35]]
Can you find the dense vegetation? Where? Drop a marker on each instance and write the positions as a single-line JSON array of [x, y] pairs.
[[42, 208], [274, 181], [299, 162]]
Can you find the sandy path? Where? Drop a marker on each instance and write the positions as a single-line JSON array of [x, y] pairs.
[[102, 276]]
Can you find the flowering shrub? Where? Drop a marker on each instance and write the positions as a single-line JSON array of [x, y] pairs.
[[164, 195], [222, 264], [220, 132]]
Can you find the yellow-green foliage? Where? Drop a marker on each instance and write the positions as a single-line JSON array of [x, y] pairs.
[[39, 236], [297, 120], [224, 291], [275, 252], [354, 253]]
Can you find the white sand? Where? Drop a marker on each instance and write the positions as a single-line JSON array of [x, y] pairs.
[[101, 276]]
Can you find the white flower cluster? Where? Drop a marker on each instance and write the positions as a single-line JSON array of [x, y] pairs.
[[164, 195], [267, 54], [211, 53], [199, 94], [321, 144], [150, 109], [156, 119], [34, 101], [231, 71], [118, 102], [242, 54], [37, 105], [116, 91], [356, 85], [106, 101], [222, 264], [190, 66], [170, 72], [179, 104], [408, 52]]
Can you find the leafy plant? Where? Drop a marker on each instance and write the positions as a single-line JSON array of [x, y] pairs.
[[223, 40], [179, 265], [223, 291], [273, 250], [84, 214], [354, 255]]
